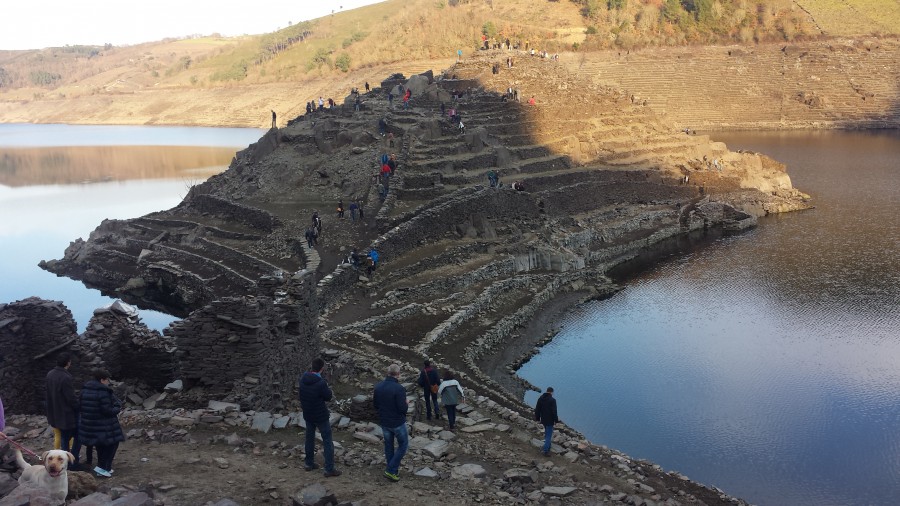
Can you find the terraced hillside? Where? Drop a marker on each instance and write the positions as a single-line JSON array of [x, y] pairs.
[[465, 269], [841, 83]]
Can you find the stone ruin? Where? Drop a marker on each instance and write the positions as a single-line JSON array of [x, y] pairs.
[[246, 349]]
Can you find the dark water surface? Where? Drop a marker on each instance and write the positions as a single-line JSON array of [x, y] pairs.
[[58, 182], [767, 364]]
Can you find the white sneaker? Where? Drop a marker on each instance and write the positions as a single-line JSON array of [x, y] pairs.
[[102, 472]]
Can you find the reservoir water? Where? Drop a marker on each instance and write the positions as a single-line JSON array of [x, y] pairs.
[[58, 182], [767, 363]]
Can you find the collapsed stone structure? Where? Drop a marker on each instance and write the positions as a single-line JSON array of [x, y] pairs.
[[248, 349]]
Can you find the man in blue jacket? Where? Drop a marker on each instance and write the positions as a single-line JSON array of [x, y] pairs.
[[314, 393], [390, 401]]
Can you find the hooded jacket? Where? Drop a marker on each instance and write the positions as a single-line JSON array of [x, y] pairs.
[[450, 392], [99, 415], [314, 393]]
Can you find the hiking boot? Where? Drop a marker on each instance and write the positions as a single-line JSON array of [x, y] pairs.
[[391, 476], [310, 468], [332, 473]]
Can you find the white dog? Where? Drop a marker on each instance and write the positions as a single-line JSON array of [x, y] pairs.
[[51, 476]]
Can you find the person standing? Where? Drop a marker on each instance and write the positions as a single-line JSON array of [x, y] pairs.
[[390, 402], [314, 393], [430, 383], [451, 393], [100, 421], [340, 209], [2, 417], [545, 412], [362, 214], [62, 406], [353, 208], [367, 86], [274, 123]]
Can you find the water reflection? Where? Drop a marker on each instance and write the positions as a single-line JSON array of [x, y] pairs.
[[89, 164]]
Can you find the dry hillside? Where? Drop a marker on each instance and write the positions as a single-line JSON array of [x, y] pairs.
[[236, 81]]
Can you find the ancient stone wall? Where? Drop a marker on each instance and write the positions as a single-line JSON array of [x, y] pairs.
[[251, 349], [250, 216], [30, 330], [129, 350], [450, 216]]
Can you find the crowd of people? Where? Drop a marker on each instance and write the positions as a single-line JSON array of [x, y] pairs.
[[390, 401]]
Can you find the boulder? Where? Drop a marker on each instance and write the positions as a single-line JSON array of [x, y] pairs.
[[136, 499], [468, 472], [314, 495], [7, 483], [95, 499], [558, 491], [427, 472], [262, 422], [28, 496], [437, 449], [520, 475], [81, 484], [417, 84]]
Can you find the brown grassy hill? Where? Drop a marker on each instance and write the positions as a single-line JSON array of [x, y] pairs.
[[235, 81]]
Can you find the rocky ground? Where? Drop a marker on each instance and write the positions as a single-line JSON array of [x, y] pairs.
[[205, 455]]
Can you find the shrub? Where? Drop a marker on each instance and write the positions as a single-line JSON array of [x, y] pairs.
[[43, 78], [343, 62], [489, 29], [237, 72]]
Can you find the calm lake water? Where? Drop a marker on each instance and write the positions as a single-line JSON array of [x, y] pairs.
[[58, 182], [767, 364]]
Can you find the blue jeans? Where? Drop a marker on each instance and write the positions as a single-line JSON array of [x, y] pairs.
[[392, 458], [327, 444], [451, 414], [431, 400], [548, 437]]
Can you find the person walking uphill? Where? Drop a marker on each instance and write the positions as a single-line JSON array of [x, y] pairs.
[[390, 401], [450, 393], [62, 406], [99, 425], [314, 393], [430, 383], [545, 412]]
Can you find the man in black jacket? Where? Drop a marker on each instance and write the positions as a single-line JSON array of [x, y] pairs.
[[314, 393], [390, 401], [62, 406], [545, 412]]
